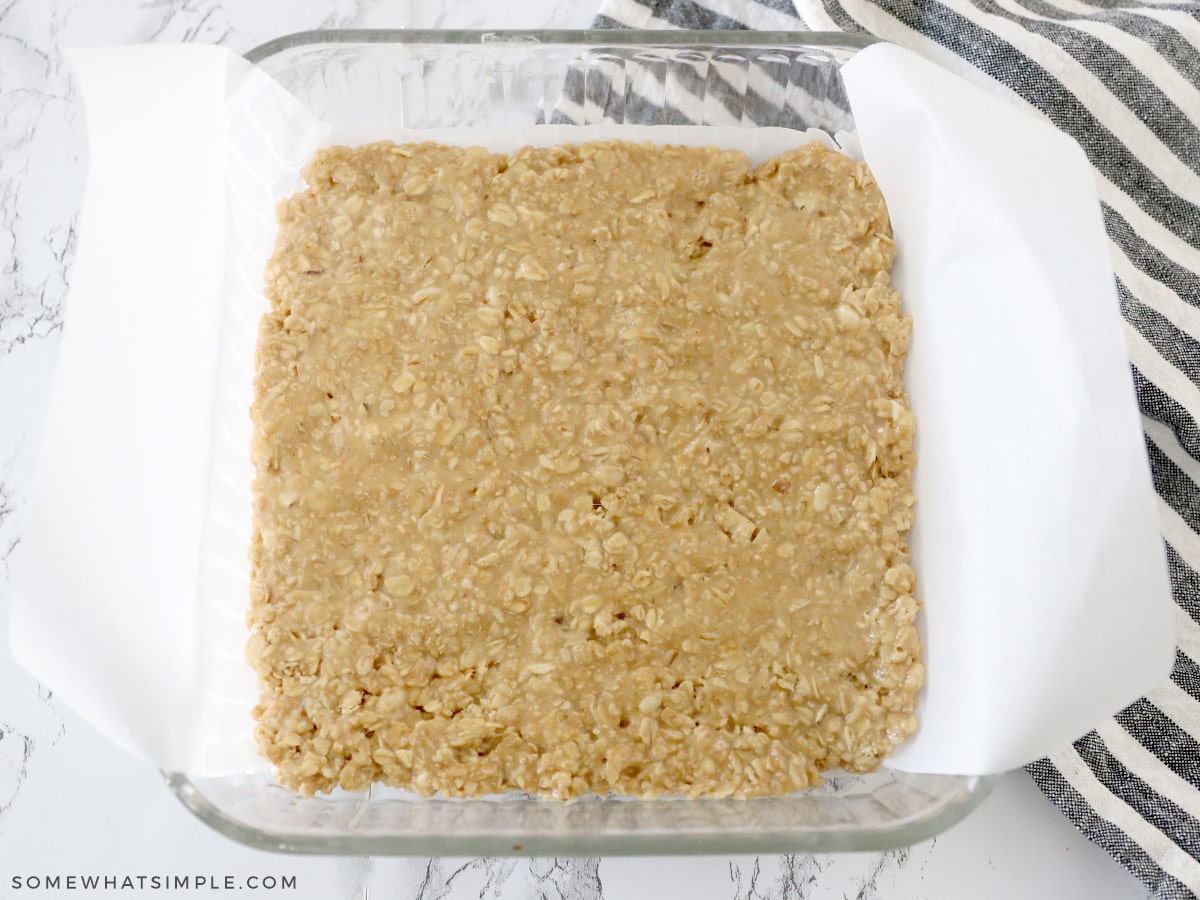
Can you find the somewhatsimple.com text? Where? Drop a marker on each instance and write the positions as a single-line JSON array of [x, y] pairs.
[[153, 883]]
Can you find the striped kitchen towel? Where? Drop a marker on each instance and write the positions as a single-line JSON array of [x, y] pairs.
[[1122, 77]]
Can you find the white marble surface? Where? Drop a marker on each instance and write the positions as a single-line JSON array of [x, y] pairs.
[[70, 803]]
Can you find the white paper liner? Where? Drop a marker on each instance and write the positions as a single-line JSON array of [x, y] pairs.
[[1036, 544]]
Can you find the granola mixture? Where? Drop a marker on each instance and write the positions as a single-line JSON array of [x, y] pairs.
[[582, 469]]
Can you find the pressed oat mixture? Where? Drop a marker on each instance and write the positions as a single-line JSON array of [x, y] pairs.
[[582, 469]]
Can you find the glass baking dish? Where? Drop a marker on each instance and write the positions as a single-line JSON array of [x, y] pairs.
[[365, 81]]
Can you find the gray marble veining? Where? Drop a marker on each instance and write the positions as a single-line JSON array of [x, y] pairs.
[[41, 179], [15, 751], [796, 875], [40, 172], [491, 879], [19, 741], [203, 21], [8, 531]]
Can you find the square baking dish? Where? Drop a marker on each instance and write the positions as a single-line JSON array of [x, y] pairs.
[[368, 81]]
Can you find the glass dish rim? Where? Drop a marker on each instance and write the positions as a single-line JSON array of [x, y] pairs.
[[972, 789], [975, 789], [566, 36]]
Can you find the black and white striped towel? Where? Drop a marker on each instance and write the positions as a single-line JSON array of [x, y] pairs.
[[1122, 77]]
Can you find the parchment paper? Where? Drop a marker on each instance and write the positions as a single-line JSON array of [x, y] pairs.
[[1036, 544]]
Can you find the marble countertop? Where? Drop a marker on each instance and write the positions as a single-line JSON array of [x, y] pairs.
[[73, 804]]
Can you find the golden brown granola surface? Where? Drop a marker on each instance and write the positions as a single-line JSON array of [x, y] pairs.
[[582, 469]]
